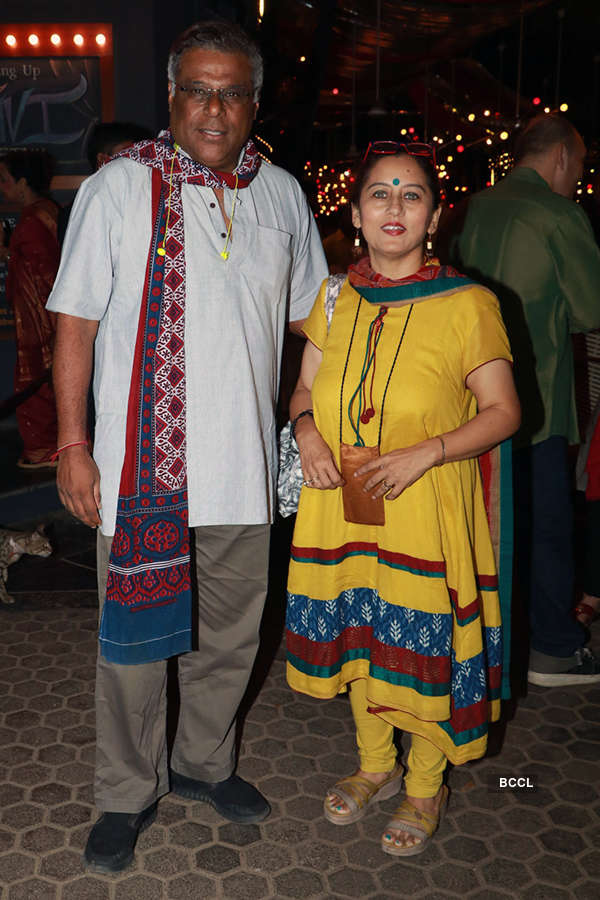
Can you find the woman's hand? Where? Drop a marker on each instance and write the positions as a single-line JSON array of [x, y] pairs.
[[318, 465], [393, 472]]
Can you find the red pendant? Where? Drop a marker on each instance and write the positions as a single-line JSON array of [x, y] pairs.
[[367, 415]]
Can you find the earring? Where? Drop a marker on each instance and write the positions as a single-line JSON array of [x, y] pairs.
[[357, 249], [429, 248]]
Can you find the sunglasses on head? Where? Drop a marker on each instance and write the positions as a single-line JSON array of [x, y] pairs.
[[388, 148]]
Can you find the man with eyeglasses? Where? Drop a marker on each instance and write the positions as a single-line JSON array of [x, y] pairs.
[[183, 261]]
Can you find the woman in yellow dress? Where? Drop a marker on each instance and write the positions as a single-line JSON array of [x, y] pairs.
[[393, 591]]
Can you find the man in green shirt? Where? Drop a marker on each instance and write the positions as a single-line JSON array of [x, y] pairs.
[[535, 249]]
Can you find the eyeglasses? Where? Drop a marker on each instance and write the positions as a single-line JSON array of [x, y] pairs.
[[385, 148], [229, 96]]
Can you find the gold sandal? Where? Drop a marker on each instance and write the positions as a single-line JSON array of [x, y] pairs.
[[413, 821], [357, 792]]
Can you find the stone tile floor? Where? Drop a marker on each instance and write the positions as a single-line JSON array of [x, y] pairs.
[[539, 844]]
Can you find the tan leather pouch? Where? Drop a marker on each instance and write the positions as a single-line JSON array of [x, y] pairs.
[[359, 507]]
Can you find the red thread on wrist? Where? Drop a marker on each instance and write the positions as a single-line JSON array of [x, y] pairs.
[[66, 446]]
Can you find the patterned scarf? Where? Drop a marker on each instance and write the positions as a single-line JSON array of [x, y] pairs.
[[149, 566], [429, 280]]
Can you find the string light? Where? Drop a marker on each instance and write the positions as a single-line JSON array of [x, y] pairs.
[[503, 135], [101, 39], [267, 145], [333, 187], [564, 107], [34, 40], [78, 39], [471, 117], [11, 40], [55, 40]]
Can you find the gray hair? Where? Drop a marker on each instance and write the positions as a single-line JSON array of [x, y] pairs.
[[226, 37]]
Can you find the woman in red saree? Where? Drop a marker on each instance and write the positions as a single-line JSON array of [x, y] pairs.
[[33, 257]]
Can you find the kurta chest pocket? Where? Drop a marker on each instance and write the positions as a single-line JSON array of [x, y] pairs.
[[268, 259]]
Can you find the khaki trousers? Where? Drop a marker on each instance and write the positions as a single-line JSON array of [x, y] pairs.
[[131, 703]]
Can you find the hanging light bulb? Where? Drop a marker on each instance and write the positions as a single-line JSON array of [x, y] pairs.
[[377, 109]]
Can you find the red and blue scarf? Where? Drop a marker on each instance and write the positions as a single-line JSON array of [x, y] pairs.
[[147, 614], [428, 281]]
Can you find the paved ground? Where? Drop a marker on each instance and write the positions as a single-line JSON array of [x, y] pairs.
[[536, 844]]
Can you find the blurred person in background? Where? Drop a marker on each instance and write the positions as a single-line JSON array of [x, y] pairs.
[[528, 242], [32, 257], [106, 139]]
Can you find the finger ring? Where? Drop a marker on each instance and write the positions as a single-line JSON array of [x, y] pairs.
[[308, 482], [387, 485]]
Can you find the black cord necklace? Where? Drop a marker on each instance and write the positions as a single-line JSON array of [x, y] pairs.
[[368, 361]]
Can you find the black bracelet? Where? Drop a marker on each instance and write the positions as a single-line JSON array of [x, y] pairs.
[[305, 412]]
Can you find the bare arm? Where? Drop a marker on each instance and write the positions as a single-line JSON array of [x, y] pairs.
[[78, 479], [296, 327], [318, 464], [498, 417]]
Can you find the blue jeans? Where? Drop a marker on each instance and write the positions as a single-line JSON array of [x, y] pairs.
[[544, 545]]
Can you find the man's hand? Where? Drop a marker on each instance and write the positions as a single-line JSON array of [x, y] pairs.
[[78, 482]]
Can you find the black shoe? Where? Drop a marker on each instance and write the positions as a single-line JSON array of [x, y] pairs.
[[585, 671], [234, 798], [112, 839]]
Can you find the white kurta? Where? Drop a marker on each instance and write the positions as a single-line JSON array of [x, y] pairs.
[[236, 313]]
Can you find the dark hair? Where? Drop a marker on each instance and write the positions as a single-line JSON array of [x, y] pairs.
[[541, 133], [425, 164], [105, 136], [221, 35], [36, 166]]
